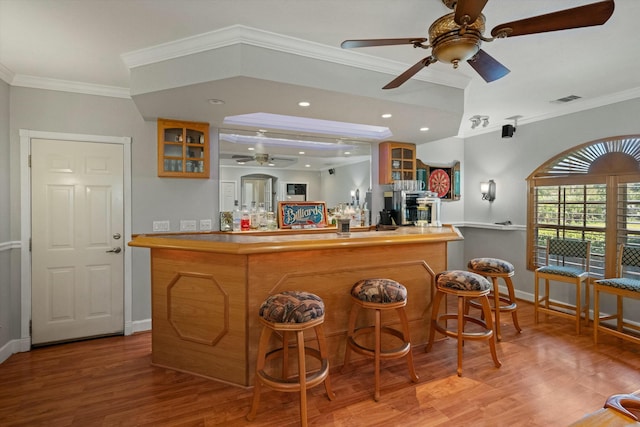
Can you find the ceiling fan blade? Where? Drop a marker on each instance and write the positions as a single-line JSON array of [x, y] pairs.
[[577, 17], [410, 72], [488, 68], [348, 44], [467, 11]]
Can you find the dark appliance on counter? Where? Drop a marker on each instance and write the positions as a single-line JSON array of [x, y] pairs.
[[404, 204]]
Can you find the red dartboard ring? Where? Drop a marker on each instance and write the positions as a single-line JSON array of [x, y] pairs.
[[439, 182]]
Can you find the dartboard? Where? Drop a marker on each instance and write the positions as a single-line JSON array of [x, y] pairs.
[[439, 182]]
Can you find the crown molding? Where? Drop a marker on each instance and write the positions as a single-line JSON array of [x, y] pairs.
[[70, 86], [240, 34], [6, 74]]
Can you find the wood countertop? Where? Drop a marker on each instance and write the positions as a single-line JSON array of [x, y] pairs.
[[293, 240]]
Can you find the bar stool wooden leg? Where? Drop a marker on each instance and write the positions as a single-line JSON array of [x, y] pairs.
[[324, 355], [302, 378], [492, 342], [512, 297], [257, 386], [496, 302], [376, 356], [404, 321], [461, 318]]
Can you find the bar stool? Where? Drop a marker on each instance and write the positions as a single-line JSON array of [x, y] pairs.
[[494, 269], [464, 285], [287, 312], [379, 295]]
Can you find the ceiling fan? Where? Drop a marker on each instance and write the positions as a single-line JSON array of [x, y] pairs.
[[457, 36], [260, 158]]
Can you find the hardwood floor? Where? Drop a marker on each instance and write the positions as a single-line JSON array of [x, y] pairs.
[[549, 377]]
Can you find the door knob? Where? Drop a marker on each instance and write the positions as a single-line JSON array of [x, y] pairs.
[[116, 250], [116, 236]]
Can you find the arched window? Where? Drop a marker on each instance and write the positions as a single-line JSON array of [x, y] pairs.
[[589, 192]]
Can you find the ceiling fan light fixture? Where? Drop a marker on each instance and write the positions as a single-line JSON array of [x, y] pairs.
[[450, 44]]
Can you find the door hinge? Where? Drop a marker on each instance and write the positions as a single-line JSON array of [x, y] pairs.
[[29, 244], [30, 329], [29, 160]]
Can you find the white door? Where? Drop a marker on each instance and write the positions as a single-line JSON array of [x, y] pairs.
[[77, 243], [227, 195]]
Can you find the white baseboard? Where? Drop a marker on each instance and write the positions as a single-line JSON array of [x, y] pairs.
[[139, 326], [14, 346]]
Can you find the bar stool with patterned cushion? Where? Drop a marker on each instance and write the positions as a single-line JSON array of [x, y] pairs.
[[287, 312], [464, 285], [495, 269], [379, 295]]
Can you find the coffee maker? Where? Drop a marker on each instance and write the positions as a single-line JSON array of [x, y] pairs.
[[403, 205]]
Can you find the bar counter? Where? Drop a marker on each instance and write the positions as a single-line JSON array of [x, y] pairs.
[[207, 288]]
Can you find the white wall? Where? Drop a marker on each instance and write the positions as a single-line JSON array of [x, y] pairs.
[[337, 188]]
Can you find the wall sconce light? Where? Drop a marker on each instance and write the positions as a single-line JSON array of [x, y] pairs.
[[488, 190], [477, 120]]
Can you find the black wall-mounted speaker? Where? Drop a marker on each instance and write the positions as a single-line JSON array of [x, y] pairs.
[[332, 171], [508, 131]]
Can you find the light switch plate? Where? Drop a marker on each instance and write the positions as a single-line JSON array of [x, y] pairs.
[[205, 225], [160, 226], [187, 225]]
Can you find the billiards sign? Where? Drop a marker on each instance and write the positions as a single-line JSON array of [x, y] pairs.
[[302, 214]]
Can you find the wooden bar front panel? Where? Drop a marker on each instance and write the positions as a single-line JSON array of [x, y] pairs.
[[199, 313]]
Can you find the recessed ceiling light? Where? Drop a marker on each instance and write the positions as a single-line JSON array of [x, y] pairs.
[[304, 103], [271, 164], [216, 101], [300, 152], [241, 163], [307, 166], [347, 152], [386, 116], [250, 148], [424, 129]]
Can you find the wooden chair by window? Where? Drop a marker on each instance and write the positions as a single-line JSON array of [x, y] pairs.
[[567, 261], [621, 287]]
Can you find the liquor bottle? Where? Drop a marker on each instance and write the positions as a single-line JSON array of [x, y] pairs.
[[364, 220], [245, 220], [262, 217], [253, 216], [237, 216]]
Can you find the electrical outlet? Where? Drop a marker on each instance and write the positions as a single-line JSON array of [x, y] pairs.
[[205, 225], [160, 226], [187, 225]]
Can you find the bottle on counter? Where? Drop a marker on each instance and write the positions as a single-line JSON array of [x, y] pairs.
[[262, 217], [253, 216], [271, 221], [245, 219], [237, 216], [364, 220]]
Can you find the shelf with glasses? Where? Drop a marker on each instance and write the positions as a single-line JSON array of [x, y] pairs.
[[183, 149]]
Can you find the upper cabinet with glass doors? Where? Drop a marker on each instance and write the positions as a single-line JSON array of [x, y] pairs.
[[397, 162], [183, 149]]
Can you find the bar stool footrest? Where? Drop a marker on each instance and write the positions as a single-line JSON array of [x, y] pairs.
[[384, 353]]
